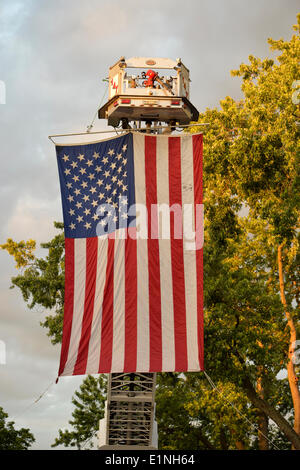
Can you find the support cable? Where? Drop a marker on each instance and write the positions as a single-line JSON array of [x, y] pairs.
[[238, 411], [124, 130], [34, 402], [90, 126]]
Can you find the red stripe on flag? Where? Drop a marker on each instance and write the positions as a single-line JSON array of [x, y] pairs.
[[107, 312], [130, 353], [68, 303], [177, 258], [90, 284], [155, 333], [198, 199]]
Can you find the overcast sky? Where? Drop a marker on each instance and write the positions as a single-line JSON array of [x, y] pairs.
[[53, 57]]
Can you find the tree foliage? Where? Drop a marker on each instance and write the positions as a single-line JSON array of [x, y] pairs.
[[251, 185], [88, 410], [22, 251], [41, 280], [11, 438]]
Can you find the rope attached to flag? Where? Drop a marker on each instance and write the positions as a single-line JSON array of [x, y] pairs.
[[144, 129], [35, 401]]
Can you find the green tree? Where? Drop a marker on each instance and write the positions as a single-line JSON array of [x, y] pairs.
[[88, 410], [191, 417], [41, 280], [251, 150], [11, 438]]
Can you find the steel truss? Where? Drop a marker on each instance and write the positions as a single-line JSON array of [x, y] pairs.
[[130, 408]]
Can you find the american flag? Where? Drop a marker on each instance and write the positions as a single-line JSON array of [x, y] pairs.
[[133, 296]]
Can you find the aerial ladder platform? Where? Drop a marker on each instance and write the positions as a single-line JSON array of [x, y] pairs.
[[129, 420], [153, 91]]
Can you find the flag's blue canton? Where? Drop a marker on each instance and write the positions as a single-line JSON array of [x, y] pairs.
[[97, 187]]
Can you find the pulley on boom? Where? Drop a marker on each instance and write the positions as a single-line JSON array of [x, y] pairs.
[[138, 93]]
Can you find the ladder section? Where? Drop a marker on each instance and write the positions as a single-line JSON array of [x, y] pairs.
[[129, 416]]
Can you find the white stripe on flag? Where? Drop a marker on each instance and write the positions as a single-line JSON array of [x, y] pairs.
[[79, 297], [189, 255], [95, 338], [119, 305], [167, 312], [143, 343]]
